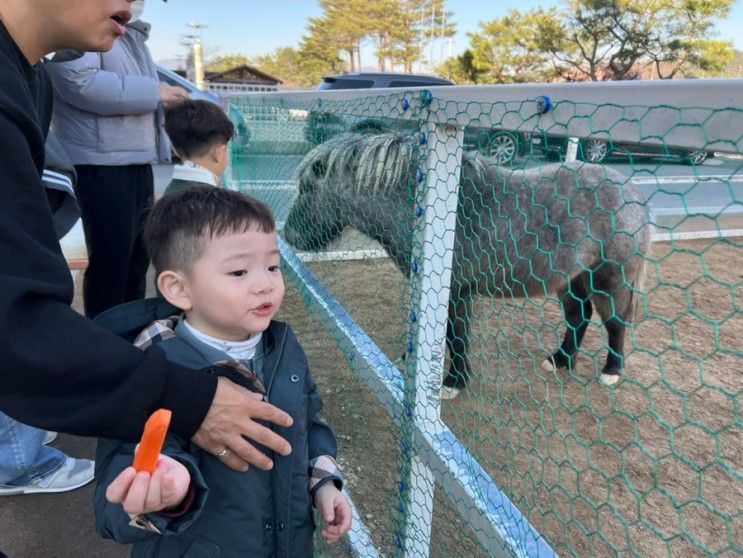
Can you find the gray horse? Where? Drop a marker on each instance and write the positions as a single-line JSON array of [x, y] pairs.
[[574, 229]]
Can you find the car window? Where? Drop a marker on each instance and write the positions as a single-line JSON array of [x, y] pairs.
[[336, 83], [411, 83]]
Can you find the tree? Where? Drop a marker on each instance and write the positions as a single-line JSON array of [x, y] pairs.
[[605, 39], [225, 62], [460, 69], [509, 49], [285, 63], [343, 24], [318, 52], [417, 23], [381, 30]]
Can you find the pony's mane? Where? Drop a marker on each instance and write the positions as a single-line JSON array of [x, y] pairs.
[[381, 163], [370, 163]]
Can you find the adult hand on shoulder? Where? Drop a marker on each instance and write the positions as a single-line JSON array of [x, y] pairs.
[[170, 94], [233, 414]]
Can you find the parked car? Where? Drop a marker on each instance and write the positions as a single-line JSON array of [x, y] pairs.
[[242, 132], [504, 145], [597, 150]]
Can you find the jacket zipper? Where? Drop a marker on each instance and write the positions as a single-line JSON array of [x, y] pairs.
[[280, 348]]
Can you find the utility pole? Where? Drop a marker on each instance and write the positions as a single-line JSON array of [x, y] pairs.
[[198, 54], [433, 30]]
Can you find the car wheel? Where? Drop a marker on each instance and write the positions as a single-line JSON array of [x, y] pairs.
[[502, 147], [697, 157], [595, 150]]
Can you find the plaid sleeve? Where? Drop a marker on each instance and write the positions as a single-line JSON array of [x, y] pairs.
[[324, 469]]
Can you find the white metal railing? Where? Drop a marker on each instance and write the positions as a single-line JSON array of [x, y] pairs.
[[238, 88], [679, 113], [690, 114]]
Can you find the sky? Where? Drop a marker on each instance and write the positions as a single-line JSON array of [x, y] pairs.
[[253, 28]]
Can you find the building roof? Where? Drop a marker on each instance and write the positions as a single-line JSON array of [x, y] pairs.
[[242, 74]]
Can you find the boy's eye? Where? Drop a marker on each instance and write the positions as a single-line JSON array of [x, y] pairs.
[[274, 268], [238, 273]]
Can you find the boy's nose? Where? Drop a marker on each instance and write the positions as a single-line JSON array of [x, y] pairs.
[[263, 283]]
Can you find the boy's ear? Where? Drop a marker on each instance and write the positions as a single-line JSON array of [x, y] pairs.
[[219, 153], [172, 286]]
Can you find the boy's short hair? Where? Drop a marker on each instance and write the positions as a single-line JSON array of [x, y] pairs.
[[180, 225], [194, 127]]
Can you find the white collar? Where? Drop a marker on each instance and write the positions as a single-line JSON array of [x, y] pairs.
[[239, 350], [193, 172]]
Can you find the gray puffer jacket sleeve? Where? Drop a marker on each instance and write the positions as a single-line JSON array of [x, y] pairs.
[[85, 85]]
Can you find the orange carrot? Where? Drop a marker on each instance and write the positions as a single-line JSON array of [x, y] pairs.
[[153, 438]]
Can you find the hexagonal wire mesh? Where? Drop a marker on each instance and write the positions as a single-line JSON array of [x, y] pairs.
[[556, 288]]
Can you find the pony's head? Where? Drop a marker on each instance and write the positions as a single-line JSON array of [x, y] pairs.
[[314, 220], [342, 177]]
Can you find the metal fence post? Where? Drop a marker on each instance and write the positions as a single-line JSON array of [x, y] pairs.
[[435, 209]]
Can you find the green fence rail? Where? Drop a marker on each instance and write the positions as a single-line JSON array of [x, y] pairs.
[[567, 260]]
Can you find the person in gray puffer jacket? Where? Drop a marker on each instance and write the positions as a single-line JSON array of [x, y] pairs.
[[108, 116]]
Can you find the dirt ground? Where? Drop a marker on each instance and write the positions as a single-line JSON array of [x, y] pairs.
[[650, 467]]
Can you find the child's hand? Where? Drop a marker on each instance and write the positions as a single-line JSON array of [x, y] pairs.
[[140, 492], [335, 510]]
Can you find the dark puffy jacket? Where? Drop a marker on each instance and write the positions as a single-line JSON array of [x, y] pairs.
[[257, 513]]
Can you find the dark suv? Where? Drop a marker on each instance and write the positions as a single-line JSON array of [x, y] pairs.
[[369, 80]]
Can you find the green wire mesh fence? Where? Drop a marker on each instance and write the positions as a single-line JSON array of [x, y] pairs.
[[569, 265]]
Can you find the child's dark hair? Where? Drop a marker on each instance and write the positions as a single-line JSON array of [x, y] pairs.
[[194, 127], [180, 225]]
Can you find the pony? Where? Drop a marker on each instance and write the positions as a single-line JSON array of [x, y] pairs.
[[577, 230]]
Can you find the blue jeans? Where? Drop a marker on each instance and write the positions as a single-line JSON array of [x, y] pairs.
[[23, 456]]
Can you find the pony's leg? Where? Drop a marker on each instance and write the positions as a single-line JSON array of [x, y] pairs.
[[457, 341], [577, 309], [614, 310]]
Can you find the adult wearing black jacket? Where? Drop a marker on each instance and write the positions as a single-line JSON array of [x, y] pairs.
[[58, 370]]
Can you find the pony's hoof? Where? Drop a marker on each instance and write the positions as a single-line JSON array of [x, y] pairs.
[[549, 365], [449, 392], [609, 379]]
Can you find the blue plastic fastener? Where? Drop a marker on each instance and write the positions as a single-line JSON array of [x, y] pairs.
[[426, 97], [423, 138], [410, 346], [421, 175], [544, 104], [418, 211], [415, 266], [405, 104], [413, 317]]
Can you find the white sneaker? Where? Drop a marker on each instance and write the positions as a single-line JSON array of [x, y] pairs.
[[49, 437], [448, 393], [73, 474]]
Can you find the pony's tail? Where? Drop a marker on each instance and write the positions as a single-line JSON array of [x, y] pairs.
[[637, 295]]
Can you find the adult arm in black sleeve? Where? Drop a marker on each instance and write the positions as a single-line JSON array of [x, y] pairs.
[[60, 371]]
